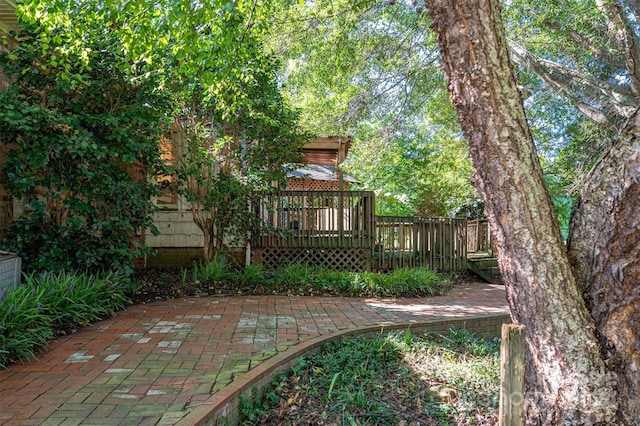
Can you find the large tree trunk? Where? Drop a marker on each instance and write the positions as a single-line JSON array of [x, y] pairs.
[[606, 261], [566, 378]]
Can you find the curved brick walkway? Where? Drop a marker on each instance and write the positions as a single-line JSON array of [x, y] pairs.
[[156, 364]]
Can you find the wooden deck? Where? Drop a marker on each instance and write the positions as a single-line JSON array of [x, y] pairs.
[[485, 266], [318, 219], [408, 242], [343, 228]]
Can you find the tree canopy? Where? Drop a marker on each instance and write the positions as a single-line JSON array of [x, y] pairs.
[[370, 68], [208, 59]]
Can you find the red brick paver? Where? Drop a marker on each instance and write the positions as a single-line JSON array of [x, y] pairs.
[[153, 363]]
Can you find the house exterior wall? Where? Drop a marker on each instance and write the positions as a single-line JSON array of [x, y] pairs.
[[177, 229]]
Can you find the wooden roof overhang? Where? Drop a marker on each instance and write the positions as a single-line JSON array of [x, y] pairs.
[[327, 150]]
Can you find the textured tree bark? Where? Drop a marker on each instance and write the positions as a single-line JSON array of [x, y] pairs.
[[566, 382], [604, 248], [201, 219]]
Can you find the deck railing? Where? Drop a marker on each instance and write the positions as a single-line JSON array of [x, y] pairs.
[[322, 219], [479, 239], [342, 223], [408, 242]]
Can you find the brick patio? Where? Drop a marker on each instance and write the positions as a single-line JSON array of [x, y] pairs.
[[164, 363]]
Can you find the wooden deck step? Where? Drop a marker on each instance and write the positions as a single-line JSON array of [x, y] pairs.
[[486, 267]]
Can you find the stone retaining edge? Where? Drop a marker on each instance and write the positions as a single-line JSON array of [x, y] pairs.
[[223, 408]]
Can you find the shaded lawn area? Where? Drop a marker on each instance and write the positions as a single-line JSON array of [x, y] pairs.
[[387, 379]]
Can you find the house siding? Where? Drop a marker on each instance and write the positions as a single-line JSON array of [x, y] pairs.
[[177, 229]]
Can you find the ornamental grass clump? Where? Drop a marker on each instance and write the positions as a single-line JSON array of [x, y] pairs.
[[295, 274], [32, 313], [25, 328], [406, 282], [212, 271], [252, 274]]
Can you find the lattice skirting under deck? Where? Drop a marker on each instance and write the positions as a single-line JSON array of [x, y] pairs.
[[338, 259]]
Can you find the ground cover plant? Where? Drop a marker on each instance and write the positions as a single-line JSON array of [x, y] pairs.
[[221, 276], [51, 304], [387, 379]]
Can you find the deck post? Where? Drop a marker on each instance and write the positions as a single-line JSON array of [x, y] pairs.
[[512, 375]]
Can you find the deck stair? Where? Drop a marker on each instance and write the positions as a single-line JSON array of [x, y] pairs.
[[484, 265]]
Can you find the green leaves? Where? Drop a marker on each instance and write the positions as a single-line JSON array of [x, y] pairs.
[[73, 139], [237, 128], [30, 312], [371, 69], [385, 379]]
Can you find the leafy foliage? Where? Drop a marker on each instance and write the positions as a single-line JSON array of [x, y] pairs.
[[82, 129], [370, 68], [386, 379], [221, 276], [352, 61], [233, 152], [425, 173], [32, 313], [581, 50], [234, 128], [577, 91], [301, 279]]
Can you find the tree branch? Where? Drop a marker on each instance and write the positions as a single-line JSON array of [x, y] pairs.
[[604, 103], [634, 6], [586, 44], [622, 33]]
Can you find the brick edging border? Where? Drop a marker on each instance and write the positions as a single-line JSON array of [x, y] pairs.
[[223, 408]]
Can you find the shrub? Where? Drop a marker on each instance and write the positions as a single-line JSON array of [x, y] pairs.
[[32, 312], [82, 129]]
